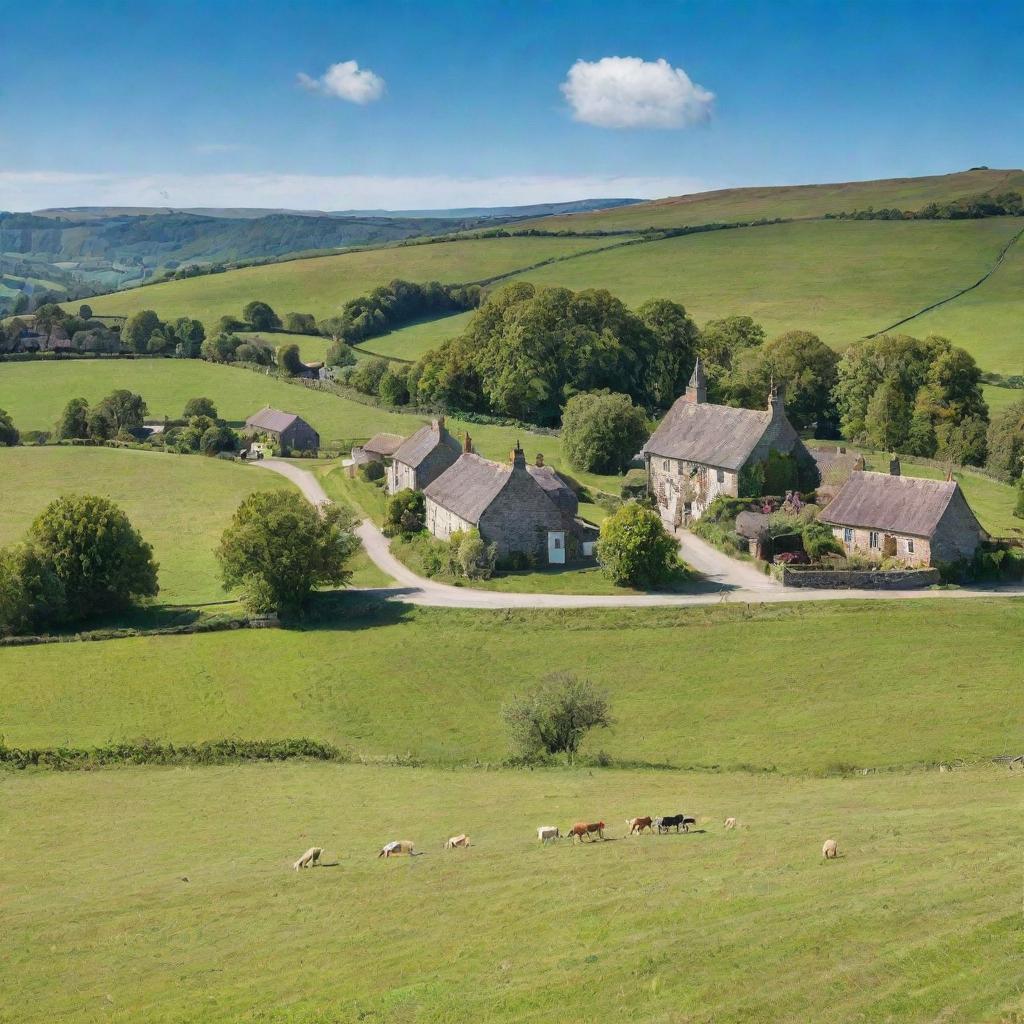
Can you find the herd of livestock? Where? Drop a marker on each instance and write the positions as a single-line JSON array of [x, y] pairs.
[[584, 831]]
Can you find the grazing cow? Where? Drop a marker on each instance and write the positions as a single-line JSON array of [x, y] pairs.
[[676, 821], [309, 858], [637, 825], [548, 832], [461, 841], [730, 822], [584, 828], [830, 849], [398, 847]]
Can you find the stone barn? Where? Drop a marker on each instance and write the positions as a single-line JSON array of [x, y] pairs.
[[918, 522], [422, 458], [285, 428]]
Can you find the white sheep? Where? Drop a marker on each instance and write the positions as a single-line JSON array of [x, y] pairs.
[[830, 849], [309, 858]]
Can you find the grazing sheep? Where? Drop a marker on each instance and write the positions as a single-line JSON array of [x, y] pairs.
[[459, 841], [309, 859], [548, 832], [399, 846], [730, 822], [830, 849]]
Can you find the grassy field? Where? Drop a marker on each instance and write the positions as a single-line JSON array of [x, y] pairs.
[[431, 682], [790, 201], [994, 311], [841, 280], [322, 285], [180, 504], [35, 393], [999, 399], [917, 921], [417, 339], [312, 348]]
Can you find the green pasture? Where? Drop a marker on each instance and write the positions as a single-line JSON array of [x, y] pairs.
[[35, 393], [409, 343], [999, 399], [167, 895], [323, 284], [312, 348], [842, 280], [179, 503], [789, 201], [807, 686]]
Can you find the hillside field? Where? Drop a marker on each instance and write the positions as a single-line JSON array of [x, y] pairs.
[[851, 670], [789, 201], [179, 503], [917, 921]]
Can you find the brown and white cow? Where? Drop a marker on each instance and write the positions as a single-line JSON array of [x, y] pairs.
[[584, 828], [637, 825]]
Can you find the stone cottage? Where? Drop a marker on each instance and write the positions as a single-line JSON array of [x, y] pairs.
[[700, 450], [422, 458], [918, 522], [522, 509], [379, 448], [285, 428]]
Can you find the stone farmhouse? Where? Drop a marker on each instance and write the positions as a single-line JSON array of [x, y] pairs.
[[918, 522], [285, 428], [521, 509], [700, 450], [379, 448], [422, 458]]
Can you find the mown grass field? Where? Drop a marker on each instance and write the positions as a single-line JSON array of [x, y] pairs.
[[312, 348], [842, 280], [999, 399], [322, 285], [179, 503], [166, 895], [412, 342], [799, 687], [790, 201], [35, 393]]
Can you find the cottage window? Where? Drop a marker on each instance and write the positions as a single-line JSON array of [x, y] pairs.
[[847, 535], [666, 465], [910, 545], [721, 476], [873, 539], [558, 543]]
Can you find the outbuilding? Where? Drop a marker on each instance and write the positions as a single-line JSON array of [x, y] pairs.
[[285, 428]]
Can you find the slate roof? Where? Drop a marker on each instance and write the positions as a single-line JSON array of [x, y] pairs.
[[468, 487], [752, 524], [383, 444], [897, 504], [271, 419], [413, 450], [554, 486], [713, 435]]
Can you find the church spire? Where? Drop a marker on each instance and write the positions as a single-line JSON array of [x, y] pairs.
[[697, 389]]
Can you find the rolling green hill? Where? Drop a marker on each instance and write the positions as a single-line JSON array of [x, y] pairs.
[[789, 201]]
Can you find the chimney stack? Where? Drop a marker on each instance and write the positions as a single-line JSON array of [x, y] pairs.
[[467, 445], [540, 458], [894, 466], [697, 390], [518, 457], [777, 398]]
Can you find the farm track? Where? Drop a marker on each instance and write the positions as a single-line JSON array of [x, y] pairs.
[[727, 580]]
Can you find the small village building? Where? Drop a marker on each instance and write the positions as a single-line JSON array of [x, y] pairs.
[[918, 522], [379, 448], [521, 509], [700, 450], [422, 458], [286, 429], [835, 464]]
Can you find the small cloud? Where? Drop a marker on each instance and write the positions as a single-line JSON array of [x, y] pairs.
[[346, 81], [627, 92]]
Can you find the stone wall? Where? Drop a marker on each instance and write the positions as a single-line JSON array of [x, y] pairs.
[[861, 544], [520, 517], [889, 579], [442, 523]]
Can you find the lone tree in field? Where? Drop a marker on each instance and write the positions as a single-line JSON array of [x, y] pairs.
[[602, 431], [279, 547], [9, 435], [260, 317], [555, 718], [101, 561], [288, 359], [635, 550]]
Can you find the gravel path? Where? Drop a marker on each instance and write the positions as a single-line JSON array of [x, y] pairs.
[[727, 580]]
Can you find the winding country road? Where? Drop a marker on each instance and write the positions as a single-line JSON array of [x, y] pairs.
[[726, 579]]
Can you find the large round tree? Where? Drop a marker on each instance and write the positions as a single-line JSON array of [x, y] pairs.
[[635, 550], [601, 431]]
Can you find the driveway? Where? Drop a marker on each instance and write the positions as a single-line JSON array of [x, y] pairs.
[[727, 579]]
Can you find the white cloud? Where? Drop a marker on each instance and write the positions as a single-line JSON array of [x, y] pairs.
[[346, 81], [35, 190], [627, 92]]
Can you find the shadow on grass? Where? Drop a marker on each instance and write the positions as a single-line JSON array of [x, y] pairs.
[[343, 610]]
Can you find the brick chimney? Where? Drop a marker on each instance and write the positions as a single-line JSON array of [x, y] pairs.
[[697, 390], [540, 458], [518, 457], [894, 466], [777, 399], [467, 445]]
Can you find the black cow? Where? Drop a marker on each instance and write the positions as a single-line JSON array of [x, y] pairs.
[[677, 821]]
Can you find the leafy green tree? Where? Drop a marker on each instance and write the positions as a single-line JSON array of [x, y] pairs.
[[288, 359], [221, 348], [278, 548], [470, 557], [124, 408], [31, 596], [601, 431], [1006, 442], [139, 329], [819, 540], [676, 343], [199, 407], [218, 438], [963, 441], [1019, 510], [231, 325], [556, 717], [254, 352], [74, 420], [101, 426], [300, 323], [368, 375], [101, 561], [393, 387], [158, 343], [340, 354], [187, 336], [9, 435], [404, 513], [47, 316], [261, 317], [635, 550], [85, 311], [888, 417]]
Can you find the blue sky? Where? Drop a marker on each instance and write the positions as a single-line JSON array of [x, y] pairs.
[[194, 104]]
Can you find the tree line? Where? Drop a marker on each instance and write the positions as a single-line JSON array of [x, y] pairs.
[[976, 207]]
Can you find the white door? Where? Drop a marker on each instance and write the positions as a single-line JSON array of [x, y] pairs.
[[556, 548]]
